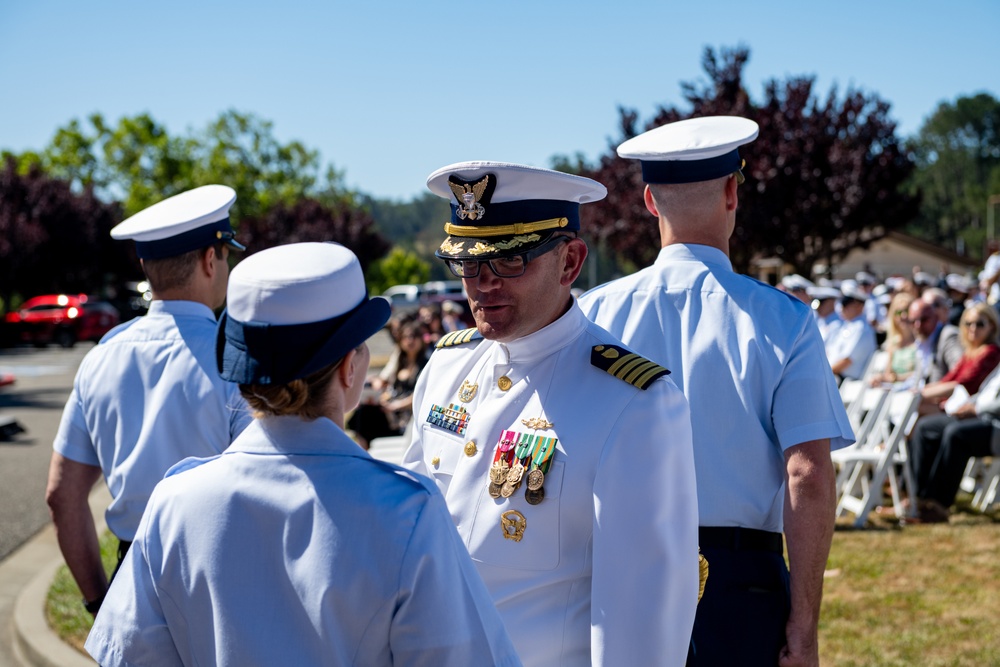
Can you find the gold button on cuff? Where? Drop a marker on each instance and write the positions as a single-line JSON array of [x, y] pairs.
[[504, 383], [436, 461], [470, 448]]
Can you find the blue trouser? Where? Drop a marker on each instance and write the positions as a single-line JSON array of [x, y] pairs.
[[741, 617]]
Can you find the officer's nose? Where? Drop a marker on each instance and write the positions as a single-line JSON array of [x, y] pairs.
[[487, 281]]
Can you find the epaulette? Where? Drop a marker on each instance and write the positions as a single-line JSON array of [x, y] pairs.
[[626, 365], [459, 338]]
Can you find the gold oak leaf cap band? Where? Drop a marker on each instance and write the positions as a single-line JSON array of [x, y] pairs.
[[500, 209], [626, 365]]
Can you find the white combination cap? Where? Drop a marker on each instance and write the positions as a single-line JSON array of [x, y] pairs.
[[822, 292], [499, 208], [692, 150], [188, 221]]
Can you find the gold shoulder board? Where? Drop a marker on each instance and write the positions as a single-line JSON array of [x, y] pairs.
[[459, 338], [626, 365]]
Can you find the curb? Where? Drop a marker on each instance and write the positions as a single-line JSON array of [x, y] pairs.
[[35, 643]]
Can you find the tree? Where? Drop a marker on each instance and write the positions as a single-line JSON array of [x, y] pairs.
[[400, 267], [52, 239], [957, 153], [139, 163], [312, 220], [823, 176]]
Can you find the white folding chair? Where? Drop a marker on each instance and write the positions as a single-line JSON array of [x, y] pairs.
[[865, 468], [985, 493], [389, 449]]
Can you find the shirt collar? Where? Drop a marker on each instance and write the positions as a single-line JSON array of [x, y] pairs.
[[294, 435], [548, 339], [178, 307], [693, 252]]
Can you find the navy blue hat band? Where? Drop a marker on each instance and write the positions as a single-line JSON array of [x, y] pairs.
[[262, 353], [202, 237], [690, 171], [524, 211]]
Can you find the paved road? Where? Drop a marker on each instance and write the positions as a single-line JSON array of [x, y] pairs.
[[44, 381]]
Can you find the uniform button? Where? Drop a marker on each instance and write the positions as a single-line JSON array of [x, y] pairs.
[[504, 383], [470, 448], [436, 461]]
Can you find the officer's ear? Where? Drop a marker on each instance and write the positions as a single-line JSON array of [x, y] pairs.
[[572, 265], [647, 196]]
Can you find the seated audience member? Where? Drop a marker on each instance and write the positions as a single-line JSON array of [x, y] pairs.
[[900, 342], [430, 315], [390, 412], [981, 355], [938, 344], [824, 305], [797, 286], [941, 445], [451, 316], [294, 547], [854, 344], [959, 291]]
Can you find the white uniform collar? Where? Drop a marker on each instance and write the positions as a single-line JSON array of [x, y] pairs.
[[549, 339], [693, 251], [179, 307]]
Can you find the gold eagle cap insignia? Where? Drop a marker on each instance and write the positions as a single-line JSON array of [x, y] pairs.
[[469, 196]]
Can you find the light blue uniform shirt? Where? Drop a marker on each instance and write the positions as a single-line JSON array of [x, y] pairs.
[[854, 340], [146, 397], [751, 362], [295, 547]]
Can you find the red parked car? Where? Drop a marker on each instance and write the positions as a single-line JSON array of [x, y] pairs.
[[62, 319]]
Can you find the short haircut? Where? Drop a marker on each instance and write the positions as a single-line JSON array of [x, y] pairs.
[[170, 273]]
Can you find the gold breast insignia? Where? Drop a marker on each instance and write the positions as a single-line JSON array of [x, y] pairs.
[[537, 423], [513, 523]]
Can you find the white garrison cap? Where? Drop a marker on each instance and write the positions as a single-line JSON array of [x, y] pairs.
[[959, 283], [850, 290], [822, 292], [864, 278], [499, 208], [187, 221], [796, 282], [292, 310], [692, 150]]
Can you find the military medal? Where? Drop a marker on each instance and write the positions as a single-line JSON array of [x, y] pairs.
[[541, 461], [467, 391], [534, 496], [501, 467], [452, 417]]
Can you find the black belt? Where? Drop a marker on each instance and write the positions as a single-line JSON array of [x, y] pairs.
[[739, 539]]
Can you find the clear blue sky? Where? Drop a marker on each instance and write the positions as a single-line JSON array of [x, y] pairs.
[[390, 91]]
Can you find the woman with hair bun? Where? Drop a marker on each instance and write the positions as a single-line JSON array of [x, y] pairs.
[[294, 546]]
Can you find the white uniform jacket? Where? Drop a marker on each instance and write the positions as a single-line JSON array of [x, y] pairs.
[[751, 362], [146, 397], [295, 547], [606, 571]]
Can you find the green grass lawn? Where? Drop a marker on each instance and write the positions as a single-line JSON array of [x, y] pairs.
[[923, 596]]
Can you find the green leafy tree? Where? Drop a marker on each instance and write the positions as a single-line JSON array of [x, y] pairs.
[[400, 267], [823, 176], [957, 153]]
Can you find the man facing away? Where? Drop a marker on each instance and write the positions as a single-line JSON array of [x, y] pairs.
[[764, 406], [148, 395], [564, 458]]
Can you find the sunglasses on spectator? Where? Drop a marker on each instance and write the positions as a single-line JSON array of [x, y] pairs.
[[982, 324]]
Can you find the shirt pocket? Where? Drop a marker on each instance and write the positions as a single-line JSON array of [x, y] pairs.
[[538, 548], [442, 450]]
